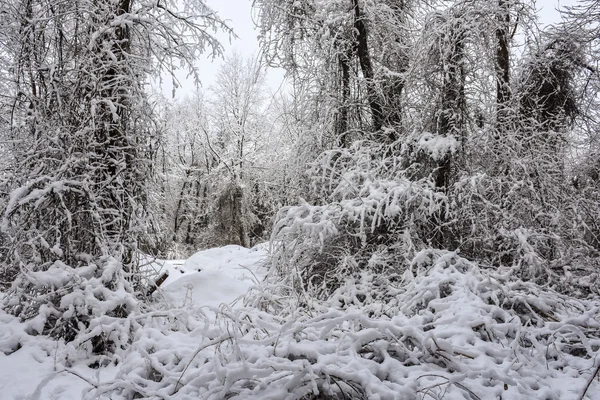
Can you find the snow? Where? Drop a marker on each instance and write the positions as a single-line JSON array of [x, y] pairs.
[[451, 330], [212, 277], [29, 370], [205, 288], [438, 146]]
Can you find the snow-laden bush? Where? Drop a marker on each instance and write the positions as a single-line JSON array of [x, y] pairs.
[[75, 304], [374, 206], [65, 267], [539, 225], [516, 203], [447, 330], [371, 218]]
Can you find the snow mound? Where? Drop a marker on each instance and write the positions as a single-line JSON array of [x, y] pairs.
[[448, 330], [212, 277], [206, 288]]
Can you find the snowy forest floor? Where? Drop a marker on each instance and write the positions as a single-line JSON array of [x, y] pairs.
[[451, 330], [29, 365]]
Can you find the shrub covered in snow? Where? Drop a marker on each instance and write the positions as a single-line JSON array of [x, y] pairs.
[[373, 218], [446, 330], [375, 205]]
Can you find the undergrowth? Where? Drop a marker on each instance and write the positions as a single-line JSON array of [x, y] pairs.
[[446, 329]]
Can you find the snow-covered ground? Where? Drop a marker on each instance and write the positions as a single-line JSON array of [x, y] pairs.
[[30, 367], [451, 331], [212, 277]]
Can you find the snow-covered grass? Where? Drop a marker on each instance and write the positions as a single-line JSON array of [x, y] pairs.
[[447, 329]]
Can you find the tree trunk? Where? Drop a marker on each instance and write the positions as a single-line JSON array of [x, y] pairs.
[[450, 121], [364, 58], [502, 65], [342, 125], [394, 85], [176, 225]]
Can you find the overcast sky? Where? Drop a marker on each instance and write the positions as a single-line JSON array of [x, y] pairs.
[[239, 15]]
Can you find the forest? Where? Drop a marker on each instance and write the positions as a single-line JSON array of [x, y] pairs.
[[413, 214]]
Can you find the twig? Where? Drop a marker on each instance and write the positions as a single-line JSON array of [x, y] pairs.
[[249, 270], [466, 389], [36, 395], [210, 343], [590, 382], [217, 154], [55, 354], [80, 377]]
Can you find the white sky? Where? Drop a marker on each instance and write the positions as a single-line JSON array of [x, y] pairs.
[[239, 16]]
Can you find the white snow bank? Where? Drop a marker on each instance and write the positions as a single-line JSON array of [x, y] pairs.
[[212, 277], [206, 288]]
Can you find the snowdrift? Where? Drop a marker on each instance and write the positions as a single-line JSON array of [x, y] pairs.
[[211, 277]]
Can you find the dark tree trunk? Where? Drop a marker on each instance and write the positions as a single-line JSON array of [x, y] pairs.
[[502, 65], [191, 225], [366, 66], [394, 85], [342, 125], [176, 224], [393, 95], [450, 121]]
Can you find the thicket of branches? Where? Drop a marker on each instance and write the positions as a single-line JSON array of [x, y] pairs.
[[225, 162], [488, 148], [79, 136]]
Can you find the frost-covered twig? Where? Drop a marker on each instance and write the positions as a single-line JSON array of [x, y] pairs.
[[592, 378]]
